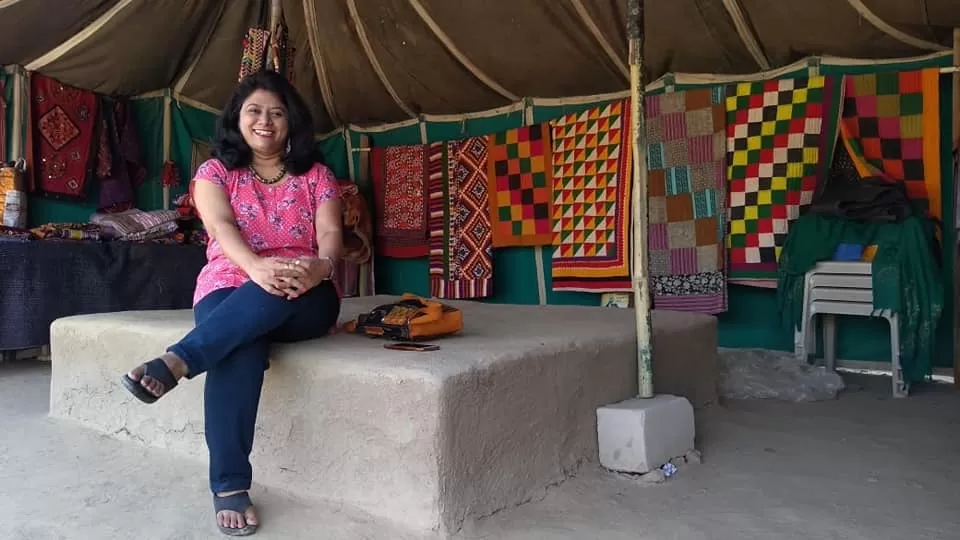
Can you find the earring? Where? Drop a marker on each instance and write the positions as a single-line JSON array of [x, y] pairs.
[[288, 146]]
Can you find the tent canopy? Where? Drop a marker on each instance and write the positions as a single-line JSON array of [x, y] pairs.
[[373, 61]]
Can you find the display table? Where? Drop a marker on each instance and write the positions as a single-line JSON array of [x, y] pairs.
[[45, 280]]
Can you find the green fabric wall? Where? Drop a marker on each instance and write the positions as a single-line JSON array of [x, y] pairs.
[[751, 320]]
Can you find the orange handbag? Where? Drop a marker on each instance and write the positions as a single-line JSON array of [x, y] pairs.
[[412, 318]]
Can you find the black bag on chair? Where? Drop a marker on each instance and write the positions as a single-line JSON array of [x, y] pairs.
[[869, 200]]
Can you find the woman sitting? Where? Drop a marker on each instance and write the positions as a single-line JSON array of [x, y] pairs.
[[273, 216]]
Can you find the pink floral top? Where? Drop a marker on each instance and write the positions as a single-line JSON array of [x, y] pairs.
[[274, 220]]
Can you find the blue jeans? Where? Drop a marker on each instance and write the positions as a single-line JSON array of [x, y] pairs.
[[230, 343]]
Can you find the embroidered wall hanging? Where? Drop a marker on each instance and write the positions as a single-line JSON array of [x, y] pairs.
[[461, 239], [399, 177]]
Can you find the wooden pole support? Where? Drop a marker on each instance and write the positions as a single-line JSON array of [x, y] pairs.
[[18, 108], [640, 220], [167, 140], [365, 287]]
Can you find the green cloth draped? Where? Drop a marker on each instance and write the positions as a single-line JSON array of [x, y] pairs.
[[906, 278]]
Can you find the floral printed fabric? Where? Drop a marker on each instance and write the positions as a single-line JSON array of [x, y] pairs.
[[274, 220]]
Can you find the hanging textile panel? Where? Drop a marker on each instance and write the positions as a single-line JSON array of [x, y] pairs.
[[65, 123], [891, 128], [687, 151], [120, 167], [591, 205], [399, 179], [461, 236], [780, 136], [254, 55], [520, 184]]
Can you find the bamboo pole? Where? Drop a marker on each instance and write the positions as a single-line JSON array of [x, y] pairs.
[[954, 247], [17, 107], [363, 178], [276, 11], [167, 140], [638, 140]]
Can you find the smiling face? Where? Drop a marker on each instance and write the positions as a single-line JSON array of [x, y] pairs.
[[263, 122]]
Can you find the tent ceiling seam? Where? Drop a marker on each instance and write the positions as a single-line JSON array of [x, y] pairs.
[[598, 36], [7, 3], [313, 38], [185, 76], [457, 53], [78, 38], [708, 30], [889, 30], [925, 17], [747, 35], [377, 68]]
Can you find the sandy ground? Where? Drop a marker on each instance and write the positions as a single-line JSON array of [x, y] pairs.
[[863, 467]]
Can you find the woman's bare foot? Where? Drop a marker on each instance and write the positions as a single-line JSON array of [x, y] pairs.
[[176, 366], [235, 520]]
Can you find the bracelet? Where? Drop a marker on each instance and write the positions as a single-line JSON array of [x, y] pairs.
[[333, 267]]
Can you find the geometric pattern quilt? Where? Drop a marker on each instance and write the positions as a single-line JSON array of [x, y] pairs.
[[686, 154], [65, 121], [461, 240], [518, 175], [891, 128], [591, 200], [780, 136]]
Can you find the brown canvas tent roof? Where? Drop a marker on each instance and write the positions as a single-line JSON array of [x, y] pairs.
[[368, 61]]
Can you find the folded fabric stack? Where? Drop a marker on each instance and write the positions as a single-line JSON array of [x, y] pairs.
[[137, 225]]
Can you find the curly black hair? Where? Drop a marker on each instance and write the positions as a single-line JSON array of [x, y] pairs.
[[228, 144]]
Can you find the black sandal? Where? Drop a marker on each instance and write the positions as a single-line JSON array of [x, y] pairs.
[[239, 503], [157, 369]]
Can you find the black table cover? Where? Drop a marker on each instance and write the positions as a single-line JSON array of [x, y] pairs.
[[45, 280]]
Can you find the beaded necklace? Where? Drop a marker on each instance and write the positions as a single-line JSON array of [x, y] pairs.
[[272, 180]]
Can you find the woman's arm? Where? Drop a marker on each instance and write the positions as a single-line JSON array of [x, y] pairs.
[[329, 225], [218, 219], [328, 222]]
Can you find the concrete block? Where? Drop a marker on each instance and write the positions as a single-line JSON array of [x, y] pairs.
[[640, 435], [426, 440]]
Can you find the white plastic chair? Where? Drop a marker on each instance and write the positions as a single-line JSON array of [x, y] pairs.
[[843, 288]]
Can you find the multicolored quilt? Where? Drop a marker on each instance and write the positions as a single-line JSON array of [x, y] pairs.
[[891, 128], [65, 122], [399, 179], [686, 136], [519, 180], [780, 138], [591, 192], [461, 239]]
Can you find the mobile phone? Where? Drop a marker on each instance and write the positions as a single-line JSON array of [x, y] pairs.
[[411, 346]]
